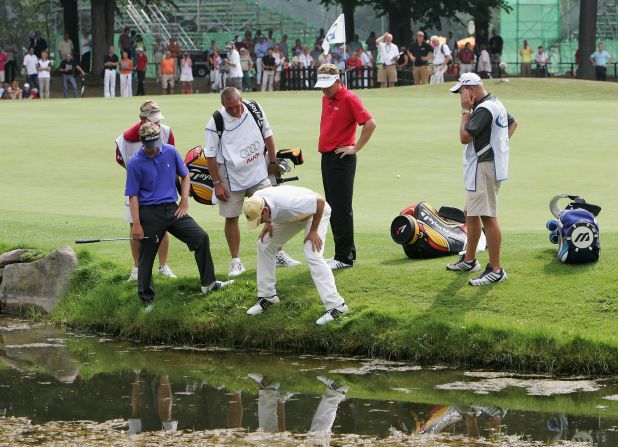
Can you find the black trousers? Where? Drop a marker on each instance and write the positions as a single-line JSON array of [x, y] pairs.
[[158, 219], [85, 62], [141, 75], [9, 71], [600, 72], [338, 180]]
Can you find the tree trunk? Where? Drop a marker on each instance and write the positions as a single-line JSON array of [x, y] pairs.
[[587, 38], [101, 14], [400, 26], [71, 24], [348, 7]]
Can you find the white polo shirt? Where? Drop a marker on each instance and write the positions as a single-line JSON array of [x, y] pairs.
[[289, 203], [30, 62], [439, 54], [388, 53], [233, 57], [240, 149]]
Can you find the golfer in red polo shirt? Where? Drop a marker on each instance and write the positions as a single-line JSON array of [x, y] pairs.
[[342, 111]]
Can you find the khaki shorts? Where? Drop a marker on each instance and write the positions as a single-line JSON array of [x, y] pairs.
[[233, 206], [165, 78], [484, 201], [388, 74]]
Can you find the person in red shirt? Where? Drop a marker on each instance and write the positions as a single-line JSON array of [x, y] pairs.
[[141, 66], [342, 111], [127, 145], [354, 67]]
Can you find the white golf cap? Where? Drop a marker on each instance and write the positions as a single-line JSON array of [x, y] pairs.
[[466, 79], [326, 80]]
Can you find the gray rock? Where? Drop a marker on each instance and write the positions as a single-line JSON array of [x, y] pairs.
[[11, 257], [40, 284], [1, 270]]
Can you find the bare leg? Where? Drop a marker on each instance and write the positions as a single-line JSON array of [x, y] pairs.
[[494, 240], [164, 248], [232, 234], [474, 228]]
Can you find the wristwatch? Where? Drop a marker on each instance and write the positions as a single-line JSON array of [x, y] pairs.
[[465, 112]]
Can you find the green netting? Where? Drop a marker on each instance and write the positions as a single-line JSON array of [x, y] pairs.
[[537, 21]]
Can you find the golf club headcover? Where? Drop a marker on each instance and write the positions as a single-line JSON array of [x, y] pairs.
[[295, 155]]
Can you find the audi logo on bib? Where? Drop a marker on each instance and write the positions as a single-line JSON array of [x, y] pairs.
[[251, 152]]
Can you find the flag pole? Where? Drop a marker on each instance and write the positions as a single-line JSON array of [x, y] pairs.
[[345, 71]]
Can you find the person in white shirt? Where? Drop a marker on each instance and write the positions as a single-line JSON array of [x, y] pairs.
[[388, 56], [540, 59], [31, 66], [234, 76], [484, 65], [44, 74], [84, 51], [441, 58], [236, 155], [367, 62], [286, 211]]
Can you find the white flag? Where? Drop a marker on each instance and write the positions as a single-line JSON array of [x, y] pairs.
[[336, 34]]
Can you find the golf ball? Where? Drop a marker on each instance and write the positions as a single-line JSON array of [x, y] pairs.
[[397, 176]]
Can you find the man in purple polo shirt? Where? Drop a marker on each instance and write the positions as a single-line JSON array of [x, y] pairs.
[[151, 188]]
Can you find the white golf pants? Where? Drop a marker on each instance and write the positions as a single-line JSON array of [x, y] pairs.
[[109, 83], [126, 86], [324, 418], [321, 273], [437, 77]]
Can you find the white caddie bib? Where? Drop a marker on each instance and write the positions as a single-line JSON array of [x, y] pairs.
[[242, 148], [499, 142], [129, 148]]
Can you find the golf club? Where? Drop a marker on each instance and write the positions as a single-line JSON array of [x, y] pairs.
[[92, 241]]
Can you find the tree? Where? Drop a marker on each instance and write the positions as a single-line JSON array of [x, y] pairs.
[[102, 17], [587, 37], [401, 13], [348, 7], [70, 18]]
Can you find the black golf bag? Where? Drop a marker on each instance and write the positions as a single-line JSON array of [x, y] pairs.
[[575, 230], [426, 233]]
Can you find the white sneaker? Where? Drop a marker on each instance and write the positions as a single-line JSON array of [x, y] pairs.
[[336, 265], [165, 270], [217, 285], [464, 266], [285, 260], [133, 275], [489, 277], [332, 314], [262, 304], [333, 385], [236, 268], [262, 382]]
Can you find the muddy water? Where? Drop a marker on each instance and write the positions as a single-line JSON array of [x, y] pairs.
[[122, 393]]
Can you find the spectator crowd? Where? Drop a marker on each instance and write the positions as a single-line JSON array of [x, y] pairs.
[[257, 61]]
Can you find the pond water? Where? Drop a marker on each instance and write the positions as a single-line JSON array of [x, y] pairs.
[[176, 394]]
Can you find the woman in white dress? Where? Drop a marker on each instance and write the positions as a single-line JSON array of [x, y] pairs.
[[186, 74]]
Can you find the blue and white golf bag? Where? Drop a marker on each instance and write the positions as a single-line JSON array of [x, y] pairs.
[[575, 230]]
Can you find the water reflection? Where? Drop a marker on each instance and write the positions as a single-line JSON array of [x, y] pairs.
[[46, 375]]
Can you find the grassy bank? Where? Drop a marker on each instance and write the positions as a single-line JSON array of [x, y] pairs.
[[547, 317]]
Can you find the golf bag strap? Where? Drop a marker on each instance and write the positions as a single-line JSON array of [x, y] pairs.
[[253, 108], [216, 115]]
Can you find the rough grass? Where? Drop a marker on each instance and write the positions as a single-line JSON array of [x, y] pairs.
[[547, 317]]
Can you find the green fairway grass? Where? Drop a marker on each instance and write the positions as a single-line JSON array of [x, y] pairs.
[[60, 182]]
